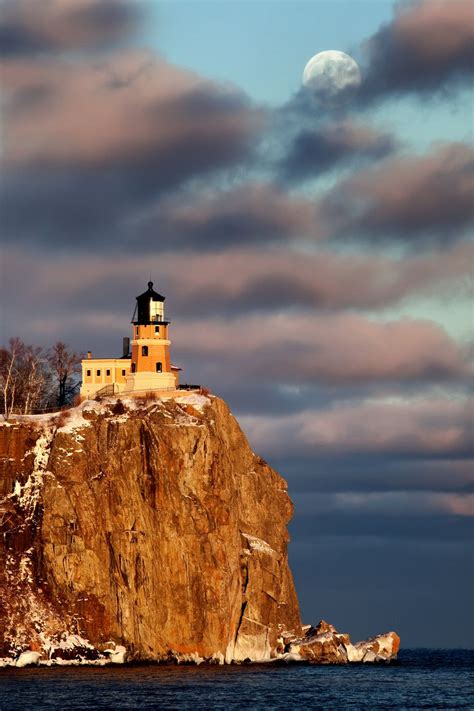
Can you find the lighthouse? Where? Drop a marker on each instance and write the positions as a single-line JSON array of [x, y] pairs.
[[150, 367]]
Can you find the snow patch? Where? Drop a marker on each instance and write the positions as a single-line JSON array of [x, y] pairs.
[[75, 421], [199, 402], [258, 544], [28, 495]]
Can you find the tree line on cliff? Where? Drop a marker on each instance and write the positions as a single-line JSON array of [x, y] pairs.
[[33, 379]]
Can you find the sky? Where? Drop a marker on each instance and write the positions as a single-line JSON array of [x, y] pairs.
[[316, 256]]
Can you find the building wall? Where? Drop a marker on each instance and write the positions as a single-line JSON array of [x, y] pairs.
[[155, 339], [151, 331], [99, 372], [157, 353]]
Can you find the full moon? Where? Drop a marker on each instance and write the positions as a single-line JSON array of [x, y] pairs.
[[332, 76]]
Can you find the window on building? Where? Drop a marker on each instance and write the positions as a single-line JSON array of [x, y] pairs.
[[157, 329], [144, 350], [107, 372], [159, 367], [133, 367], [136, 331], [88, 373], [98, 373], [124, 372]]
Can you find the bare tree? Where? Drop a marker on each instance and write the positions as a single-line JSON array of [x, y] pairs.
[[9, 374], [64, 363], [24, 377], [36, 381]]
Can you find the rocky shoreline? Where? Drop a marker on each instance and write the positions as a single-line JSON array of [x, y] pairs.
[[320, 645]]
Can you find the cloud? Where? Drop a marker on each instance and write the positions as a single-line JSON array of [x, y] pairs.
[[428, 427], [332, 472], [389, 504], [408, 198], [232, 282], [131, 110], [341, 143], [428, 46], [252, 213], [87, 146], [246, 280], [30, 27], [288, 344], [343, 348]]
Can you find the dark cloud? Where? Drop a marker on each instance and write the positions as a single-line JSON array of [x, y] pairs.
[[335, 144], [428, 46], [362, 473], [409, 198], [252, 213], [90, 145], [130, 209], [29, 27], [399, 525]]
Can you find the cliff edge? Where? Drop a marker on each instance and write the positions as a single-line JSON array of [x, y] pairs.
[[147, 529]]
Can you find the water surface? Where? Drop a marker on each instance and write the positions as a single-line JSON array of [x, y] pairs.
[[421, 679]]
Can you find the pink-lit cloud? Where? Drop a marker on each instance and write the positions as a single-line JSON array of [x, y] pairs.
[[239, 281], [132, 107], [429, 427], [46, 26], [427, 46], [408, 198], [344, 348]]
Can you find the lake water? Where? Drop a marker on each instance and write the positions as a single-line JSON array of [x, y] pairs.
[[421, 679]]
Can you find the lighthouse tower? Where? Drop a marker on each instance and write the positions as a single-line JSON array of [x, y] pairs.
[[150, 367]]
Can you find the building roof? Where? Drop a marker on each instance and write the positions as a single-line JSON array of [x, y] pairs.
[[151, 293]]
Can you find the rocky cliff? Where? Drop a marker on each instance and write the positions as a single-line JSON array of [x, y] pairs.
[[156, 529], [148, 531]]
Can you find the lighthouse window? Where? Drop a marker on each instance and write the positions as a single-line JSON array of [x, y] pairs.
[[123, 372], [98, 373], [144, 350], [133, 367], [159, 368], [88, 373], [107, 372], [157, 329]]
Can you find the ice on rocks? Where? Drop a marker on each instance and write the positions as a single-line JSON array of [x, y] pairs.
[[117, 655], [258, 544], [27, 658]]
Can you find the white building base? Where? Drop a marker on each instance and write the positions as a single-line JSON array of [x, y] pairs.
[[145, 382]]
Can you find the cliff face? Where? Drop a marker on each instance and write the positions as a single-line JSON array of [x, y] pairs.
[[156, 529]]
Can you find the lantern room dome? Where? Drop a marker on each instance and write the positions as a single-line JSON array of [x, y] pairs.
[[149, 308]]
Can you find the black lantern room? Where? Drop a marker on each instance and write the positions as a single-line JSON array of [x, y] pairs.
[[150, 308]]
